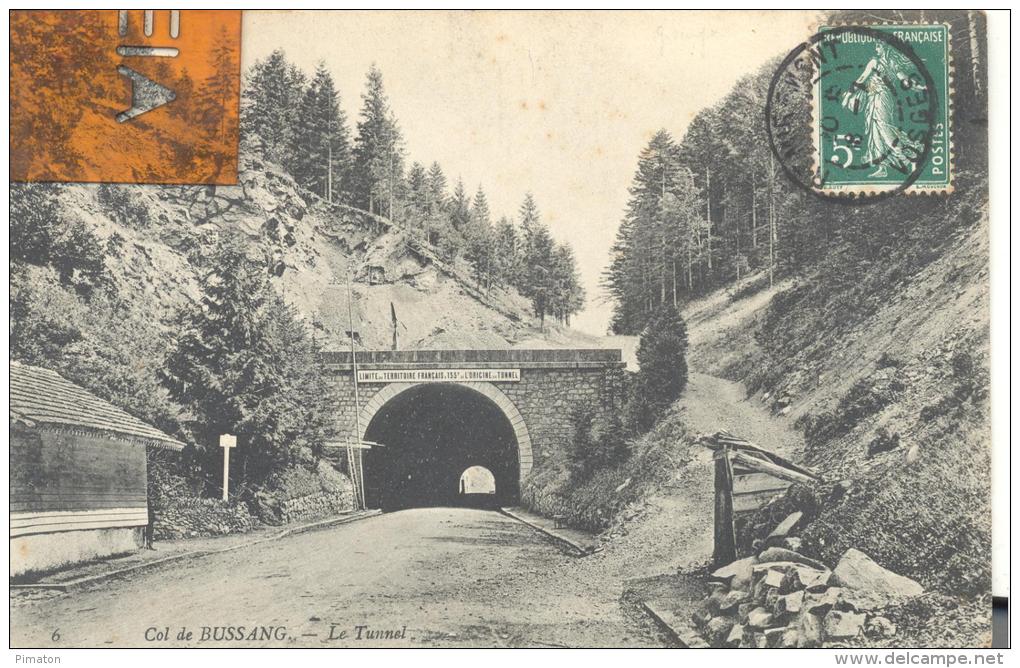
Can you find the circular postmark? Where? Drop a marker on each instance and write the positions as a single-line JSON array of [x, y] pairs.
[[851, 113]]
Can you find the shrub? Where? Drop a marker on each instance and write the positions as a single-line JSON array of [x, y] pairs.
[[121, 207], [883, 441], [101, 343], [244, 364], [597, 502], [662, 377], [598, 442], [41, 234], [866, 397]]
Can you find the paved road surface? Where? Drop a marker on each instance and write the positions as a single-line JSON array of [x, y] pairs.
[[452, 577]]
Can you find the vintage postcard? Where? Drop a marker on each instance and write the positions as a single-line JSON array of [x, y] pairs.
[[500, 329]]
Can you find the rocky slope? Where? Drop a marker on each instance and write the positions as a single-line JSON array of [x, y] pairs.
[[164, 233], [885, 372]]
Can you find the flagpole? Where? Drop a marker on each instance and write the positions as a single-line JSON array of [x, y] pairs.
[[356, 476]]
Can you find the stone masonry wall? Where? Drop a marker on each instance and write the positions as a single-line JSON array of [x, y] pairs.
[[180, 510], [544, 397]]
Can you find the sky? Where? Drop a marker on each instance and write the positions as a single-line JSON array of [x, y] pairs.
[[555, 103]]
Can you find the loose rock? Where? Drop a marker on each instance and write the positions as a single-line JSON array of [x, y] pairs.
[[733, 599], [875, 586], [773, 637], [880, 627], [839, 625], [783, 554], [737, 574], [774, 578], [792, 543], [791, 603], [809, 630], [718, 629], [806, 578], [735, 636], [759, 618], [820, 603], [790, 638]]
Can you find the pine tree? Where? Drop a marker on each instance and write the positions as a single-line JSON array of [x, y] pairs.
[[321, 144], [417, 189], [435, 202], [243, 364], [436, 199], [184, 89], [680, 211], [269, 106], [460, 207], [378, 150], [567, 294], [539, 284], [641, 275], [529, 220], [417, 200], [218, 89], [507, 250], [479, 238], [662, 362]]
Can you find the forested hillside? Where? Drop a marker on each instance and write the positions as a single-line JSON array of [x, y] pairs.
[[713, 206], [297, 122], [864, 325]]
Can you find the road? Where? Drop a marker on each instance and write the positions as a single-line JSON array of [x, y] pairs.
[[446, 577]]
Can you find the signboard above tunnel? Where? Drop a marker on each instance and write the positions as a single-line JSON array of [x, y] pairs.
[[438, 375]]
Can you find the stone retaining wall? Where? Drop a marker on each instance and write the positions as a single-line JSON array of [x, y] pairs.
[[180, 511]]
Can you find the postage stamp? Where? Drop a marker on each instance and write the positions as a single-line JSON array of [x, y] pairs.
[[125, 96], [865, 112], [882, 110]]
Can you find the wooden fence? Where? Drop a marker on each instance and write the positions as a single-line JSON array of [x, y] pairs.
[[746, 478]]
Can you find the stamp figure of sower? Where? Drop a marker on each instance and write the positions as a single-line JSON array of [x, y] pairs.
[[884, 141]]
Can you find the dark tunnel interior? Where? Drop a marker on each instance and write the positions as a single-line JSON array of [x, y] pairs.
[[430, 435]]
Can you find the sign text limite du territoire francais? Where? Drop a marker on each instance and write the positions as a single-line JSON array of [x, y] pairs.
[[438, 375]]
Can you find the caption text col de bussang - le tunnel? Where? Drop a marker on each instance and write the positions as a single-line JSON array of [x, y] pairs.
[[442, 445]]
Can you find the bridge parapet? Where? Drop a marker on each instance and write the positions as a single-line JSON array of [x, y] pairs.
[[536, 389], [565, 358]]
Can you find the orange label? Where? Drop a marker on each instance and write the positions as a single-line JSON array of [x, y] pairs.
[[126, 96]]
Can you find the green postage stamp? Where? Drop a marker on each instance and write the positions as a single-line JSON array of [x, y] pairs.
[[882, 110]]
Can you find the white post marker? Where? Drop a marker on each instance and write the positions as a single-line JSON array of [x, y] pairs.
[[227, 441]]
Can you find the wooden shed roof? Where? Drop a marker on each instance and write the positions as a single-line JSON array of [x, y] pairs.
[[41, 396]]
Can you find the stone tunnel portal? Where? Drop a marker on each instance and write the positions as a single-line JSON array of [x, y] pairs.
[[431, 434]]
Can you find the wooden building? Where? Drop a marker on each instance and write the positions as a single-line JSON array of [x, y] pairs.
[[77, 473]]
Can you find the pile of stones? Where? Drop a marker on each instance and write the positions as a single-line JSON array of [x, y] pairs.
[[782, 598]]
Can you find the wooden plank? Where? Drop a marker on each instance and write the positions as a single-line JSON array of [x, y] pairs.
[[24, 524], [724, 439], [770, 468], [725, 548], [746, 503], [757, 482], [72, 506]]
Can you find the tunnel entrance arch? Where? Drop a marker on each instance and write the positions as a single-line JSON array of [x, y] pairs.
[[431, 433]]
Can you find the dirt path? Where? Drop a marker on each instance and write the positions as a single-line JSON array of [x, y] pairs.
[[454, 577], [674, 528], [714, 403]]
